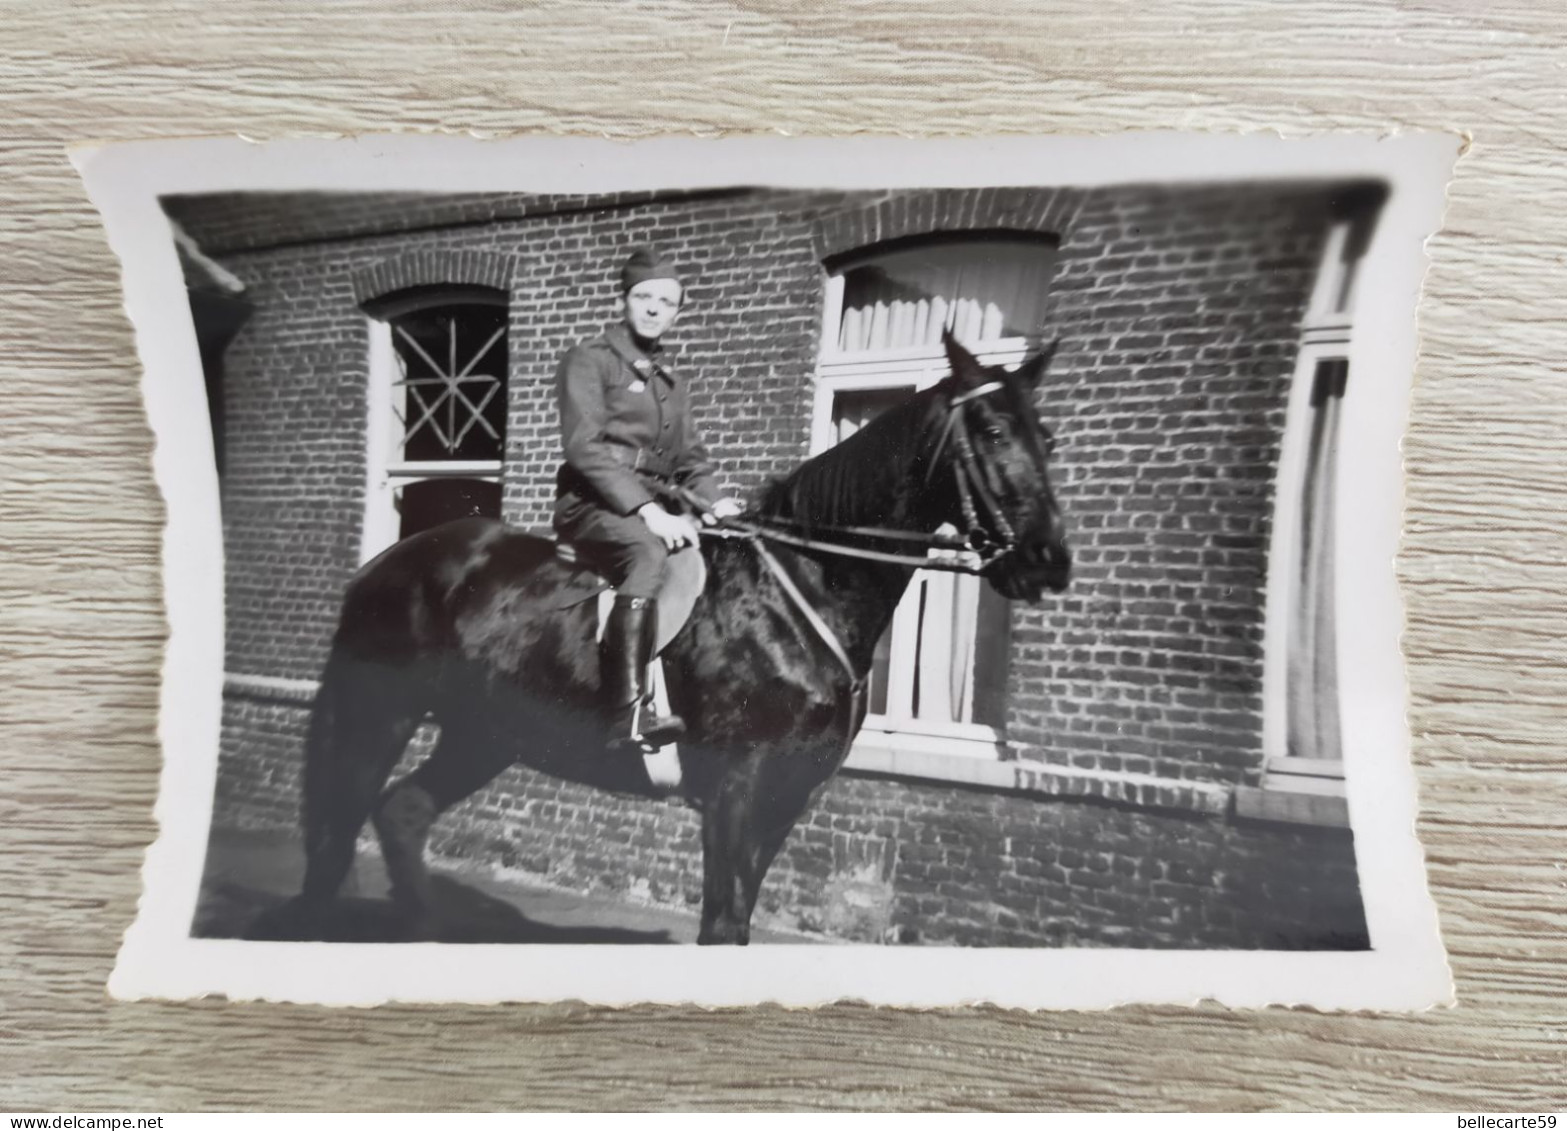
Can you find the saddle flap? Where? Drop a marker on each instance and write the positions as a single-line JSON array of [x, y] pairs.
[[684, 579]]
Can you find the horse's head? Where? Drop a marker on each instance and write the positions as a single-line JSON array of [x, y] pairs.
[[994, 450]]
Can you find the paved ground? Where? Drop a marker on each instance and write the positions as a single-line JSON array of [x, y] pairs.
[[251, 875]]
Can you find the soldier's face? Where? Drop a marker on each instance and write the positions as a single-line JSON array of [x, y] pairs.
[[652, 306]]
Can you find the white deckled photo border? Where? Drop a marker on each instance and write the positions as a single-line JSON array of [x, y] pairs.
[[1406, 967]]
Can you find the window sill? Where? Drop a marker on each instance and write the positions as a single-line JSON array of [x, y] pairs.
[[1297, 791], [898, 758], [270, 688], [444, 469], [940, 737]]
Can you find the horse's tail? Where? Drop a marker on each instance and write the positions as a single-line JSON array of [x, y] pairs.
[[360, 723], [321, 753], [329, 842]]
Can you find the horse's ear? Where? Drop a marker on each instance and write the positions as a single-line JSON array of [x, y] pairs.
[[965, 367], [1032, 370]]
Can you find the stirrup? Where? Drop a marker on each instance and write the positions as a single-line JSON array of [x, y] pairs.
[[648, 730]]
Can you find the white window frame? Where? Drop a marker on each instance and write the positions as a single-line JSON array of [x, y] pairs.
[[914, 368], [386, 475], [1297, 788]]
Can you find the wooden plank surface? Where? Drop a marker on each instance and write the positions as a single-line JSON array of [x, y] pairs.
[[1484, 566]]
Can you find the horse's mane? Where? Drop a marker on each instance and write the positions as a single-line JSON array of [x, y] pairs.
[[861, 481]]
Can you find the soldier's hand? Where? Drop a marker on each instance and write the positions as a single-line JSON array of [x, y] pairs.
[[673, 530], [722, 509]]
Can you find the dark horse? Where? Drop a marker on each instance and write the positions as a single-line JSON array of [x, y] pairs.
[[463, 625]]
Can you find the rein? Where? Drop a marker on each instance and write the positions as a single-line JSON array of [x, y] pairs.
[[838, 549], [823, 630], [989, 545]]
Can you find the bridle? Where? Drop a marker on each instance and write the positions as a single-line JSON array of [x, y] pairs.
[[974, 479], [988, 539]]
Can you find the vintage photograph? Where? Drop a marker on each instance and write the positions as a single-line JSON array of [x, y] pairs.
[[969, 566]]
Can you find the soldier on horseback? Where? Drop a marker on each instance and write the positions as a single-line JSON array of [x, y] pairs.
[[484, 630], [627, 436]]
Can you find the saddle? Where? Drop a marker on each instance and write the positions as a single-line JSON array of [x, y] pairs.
[[683, 582]]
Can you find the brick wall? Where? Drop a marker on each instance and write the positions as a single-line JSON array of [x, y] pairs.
[[294, 478], [878, 860], [1178, 312], [259, 764]]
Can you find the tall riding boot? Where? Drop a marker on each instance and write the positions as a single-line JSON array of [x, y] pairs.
[[624, 655]]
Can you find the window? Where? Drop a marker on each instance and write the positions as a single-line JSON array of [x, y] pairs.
[[437, 401], [1303, 777], [938, 683]]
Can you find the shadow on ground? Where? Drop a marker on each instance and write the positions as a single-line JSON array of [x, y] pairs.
[[459, 914], [252, 876]]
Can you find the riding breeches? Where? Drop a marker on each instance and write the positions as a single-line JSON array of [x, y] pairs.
[[621, 547]]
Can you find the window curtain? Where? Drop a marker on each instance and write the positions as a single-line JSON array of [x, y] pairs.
[[983, 290], [1313, 658]]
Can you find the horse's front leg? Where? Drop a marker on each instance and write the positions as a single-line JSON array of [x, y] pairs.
[[745, 822], [729, 846]]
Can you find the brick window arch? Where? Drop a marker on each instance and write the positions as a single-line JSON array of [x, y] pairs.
[[437, 401], [927, 214], [384, 280]]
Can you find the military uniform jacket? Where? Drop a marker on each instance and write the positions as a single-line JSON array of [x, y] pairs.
[[625, 416]]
